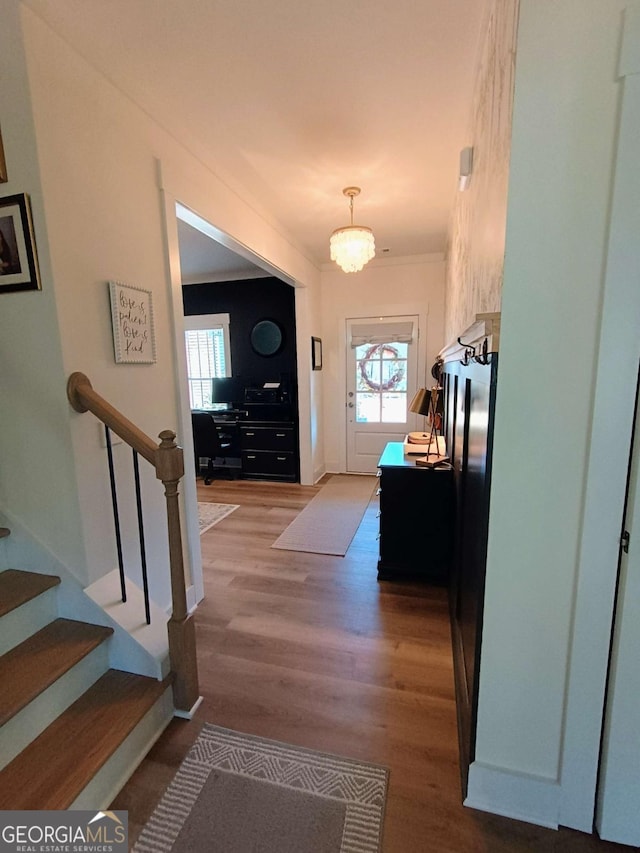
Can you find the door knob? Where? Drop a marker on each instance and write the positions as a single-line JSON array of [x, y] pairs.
[[351, 405], [351, 393]]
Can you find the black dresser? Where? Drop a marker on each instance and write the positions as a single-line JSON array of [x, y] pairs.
[[416, 518]]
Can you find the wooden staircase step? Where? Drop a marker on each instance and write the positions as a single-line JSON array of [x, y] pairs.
[[31, 667], [52, 771], [18, 587]]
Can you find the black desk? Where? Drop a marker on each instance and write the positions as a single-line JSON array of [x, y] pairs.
[[250, 443], [416, 518]]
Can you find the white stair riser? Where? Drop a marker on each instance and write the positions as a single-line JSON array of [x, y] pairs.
[[143, 649], [20, 730], [27, 619], [113, 775]]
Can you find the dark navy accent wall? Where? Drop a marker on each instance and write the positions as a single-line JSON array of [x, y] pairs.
[[247, 302]]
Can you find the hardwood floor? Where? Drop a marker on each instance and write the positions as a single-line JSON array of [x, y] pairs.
[[312, 650]]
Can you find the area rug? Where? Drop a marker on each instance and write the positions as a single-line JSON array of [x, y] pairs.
[[210, 514], [329, 522], [236, 793]]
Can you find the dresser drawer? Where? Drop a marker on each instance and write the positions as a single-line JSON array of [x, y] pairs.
[[268, 463], [267, 438]]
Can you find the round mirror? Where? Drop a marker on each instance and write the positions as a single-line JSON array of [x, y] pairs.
[[266, 337]]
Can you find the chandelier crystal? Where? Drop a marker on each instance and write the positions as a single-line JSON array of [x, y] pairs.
[[352, 246]]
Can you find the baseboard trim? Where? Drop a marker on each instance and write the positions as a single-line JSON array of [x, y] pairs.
[[188, 715], [318, 474], [515, 795], [192, 600]]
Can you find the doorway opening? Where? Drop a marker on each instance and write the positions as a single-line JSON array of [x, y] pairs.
[[201, 254]]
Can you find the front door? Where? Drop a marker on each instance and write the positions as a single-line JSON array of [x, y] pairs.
[[382, 367]]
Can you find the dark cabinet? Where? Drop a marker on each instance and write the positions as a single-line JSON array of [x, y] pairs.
[[470, 394], [416, 518], [269, 451]]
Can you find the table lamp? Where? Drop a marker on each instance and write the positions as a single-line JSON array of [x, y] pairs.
[[421, 405], [429, 404]]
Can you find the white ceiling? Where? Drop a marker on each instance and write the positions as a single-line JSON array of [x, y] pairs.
[[202, 259], [289, 101]]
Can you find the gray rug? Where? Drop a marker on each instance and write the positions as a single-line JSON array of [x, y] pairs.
[[238, 793], [210, 513], [329, 522]]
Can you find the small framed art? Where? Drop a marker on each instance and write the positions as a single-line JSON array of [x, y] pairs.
[[316, 353], [132, 321], [18, 258], [3, 164]]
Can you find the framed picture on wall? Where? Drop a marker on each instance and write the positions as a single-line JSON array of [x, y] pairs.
[[316, 353], [3, 164], [18, 259], [132, 320]]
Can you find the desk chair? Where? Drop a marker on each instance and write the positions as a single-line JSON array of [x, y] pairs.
[[216, 446]]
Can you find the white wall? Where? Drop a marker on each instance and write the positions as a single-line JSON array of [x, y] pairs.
[[37, 466], [310, 387], [411, 285], [100, 157], [475, 256], [564, 128]]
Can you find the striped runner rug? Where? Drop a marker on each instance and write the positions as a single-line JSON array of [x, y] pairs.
[[329, 522], [236, 792]]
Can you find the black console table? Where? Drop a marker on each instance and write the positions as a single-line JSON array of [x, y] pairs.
[[416, 518]]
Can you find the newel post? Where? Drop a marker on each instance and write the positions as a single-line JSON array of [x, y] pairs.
[[169, 467]]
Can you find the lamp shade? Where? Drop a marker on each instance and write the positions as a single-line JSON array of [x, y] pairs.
[[421, 402], [352, 247]]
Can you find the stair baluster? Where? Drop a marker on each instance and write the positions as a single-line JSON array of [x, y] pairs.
[[167, 459]]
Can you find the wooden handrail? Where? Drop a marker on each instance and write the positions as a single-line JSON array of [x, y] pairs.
[[168, 461], [84, 399]]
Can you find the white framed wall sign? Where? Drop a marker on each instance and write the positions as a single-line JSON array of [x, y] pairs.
[[132, 320]]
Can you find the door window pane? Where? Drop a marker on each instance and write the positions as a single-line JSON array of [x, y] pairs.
[[394, 374], [381, 383], [395, 350], [394, 408], [368, 408], [368, 375]]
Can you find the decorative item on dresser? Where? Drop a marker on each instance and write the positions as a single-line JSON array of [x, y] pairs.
[[428, 403], [416, 518]]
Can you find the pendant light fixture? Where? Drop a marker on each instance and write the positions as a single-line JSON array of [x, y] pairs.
[[352, 246]]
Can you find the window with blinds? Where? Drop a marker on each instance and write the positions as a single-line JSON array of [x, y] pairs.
[[207, 346]]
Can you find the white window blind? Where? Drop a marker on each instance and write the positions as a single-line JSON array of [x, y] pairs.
[[381, 333], [207, 349]]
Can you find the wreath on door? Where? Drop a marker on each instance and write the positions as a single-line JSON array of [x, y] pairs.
[[374, 352]]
